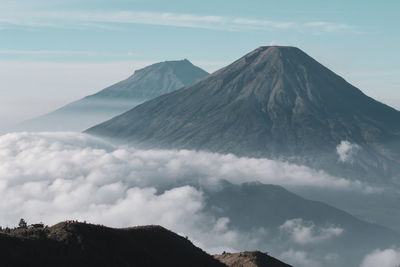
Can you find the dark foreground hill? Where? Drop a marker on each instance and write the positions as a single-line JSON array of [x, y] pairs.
[[274, 102], [249, 259], [78, 244], [143, 85]]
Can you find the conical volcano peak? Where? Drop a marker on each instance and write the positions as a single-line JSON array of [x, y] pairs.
[[184, 61], [281, 60], [168, 74], [277, 49], [281, 75], [166, 65], [278, 57]]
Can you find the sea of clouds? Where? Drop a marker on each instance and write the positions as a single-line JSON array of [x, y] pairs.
[[52, 177]]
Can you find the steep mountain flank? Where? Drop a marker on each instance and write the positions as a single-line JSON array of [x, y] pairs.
[[249, 259]]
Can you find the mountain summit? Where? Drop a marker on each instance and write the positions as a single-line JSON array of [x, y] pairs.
[[144, 84], [154, 80], [275, 102]]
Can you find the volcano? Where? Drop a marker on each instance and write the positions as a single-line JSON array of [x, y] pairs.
[[274, 102], [144, 84]]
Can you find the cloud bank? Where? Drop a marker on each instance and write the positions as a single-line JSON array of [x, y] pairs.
[[71, 156], [52, 177]]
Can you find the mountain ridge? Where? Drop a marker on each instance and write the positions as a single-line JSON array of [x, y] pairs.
[[249, 259], [71, 243]]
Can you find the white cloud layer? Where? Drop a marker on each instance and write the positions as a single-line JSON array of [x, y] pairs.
[[347, 151], [382, 258], [305, 233], [52, 177], [39, 156]]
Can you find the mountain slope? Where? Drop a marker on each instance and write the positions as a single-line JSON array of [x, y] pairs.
[[273, 102], [78, 244], [144, 84], [264, 211], [249, 259]]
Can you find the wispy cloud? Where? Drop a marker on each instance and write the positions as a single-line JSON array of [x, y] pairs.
[[304, 233], [213, 22], [51, 52]]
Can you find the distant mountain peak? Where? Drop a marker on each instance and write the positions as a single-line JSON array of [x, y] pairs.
[[274, 53], [276, 49], [146, 83], [166, 64], [160, 78]]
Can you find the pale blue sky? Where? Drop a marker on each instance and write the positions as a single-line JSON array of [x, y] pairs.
[[54, 51]]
